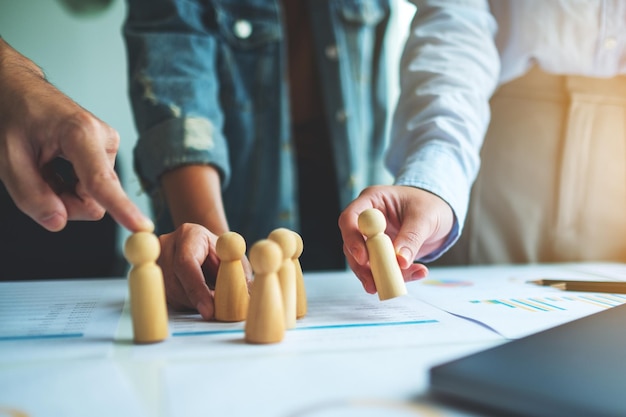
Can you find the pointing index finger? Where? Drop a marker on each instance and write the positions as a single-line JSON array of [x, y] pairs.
[[93, 161]]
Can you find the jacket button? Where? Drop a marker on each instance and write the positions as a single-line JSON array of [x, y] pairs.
[[332, 52], [242, 29]]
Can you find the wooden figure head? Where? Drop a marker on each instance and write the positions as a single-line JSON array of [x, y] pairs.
[[141, 248], [230, 246], [265, 256], [299, 245], [286, 239], [372, 222]]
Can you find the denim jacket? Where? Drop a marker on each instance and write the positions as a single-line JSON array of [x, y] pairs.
[[209, 85]]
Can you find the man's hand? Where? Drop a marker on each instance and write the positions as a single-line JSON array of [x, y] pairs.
[[38, 125], [190, 263], [418, 222]]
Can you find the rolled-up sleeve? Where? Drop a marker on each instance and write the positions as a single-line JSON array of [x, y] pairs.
[[174, 89], [449, 70]]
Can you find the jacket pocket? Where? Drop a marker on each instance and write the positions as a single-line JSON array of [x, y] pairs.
[[248, 25]]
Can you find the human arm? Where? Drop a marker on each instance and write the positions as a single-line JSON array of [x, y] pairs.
[[449, 69], [193, 194], [38, 124], [188, 258], [181, 154]]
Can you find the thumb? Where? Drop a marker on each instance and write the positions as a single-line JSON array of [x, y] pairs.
[[409, 241], [34, 197]]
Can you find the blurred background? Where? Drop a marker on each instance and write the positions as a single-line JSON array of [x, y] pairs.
[[78, 43]]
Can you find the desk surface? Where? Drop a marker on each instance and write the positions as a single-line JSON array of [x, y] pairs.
[[66, 350]]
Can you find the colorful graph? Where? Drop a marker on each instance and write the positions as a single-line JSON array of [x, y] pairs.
[[556, 303]]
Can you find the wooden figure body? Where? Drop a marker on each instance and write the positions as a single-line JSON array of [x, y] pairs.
[[287, 273], [382, 256], [301, 301], [146, 288], [266, 317], [148, 307], [231, 288]]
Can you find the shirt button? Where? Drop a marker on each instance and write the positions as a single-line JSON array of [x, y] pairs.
[[610, 43], [332, 52], [341, 115], [243, 29], [284, 215]]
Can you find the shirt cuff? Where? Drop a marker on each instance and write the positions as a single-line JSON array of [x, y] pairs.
[[436, 168]]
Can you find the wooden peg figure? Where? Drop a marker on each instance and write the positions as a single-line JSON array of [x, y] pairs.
[[148, 307], [287, 273], [301, 302], [231, 288], [266, 317], [383, 261]]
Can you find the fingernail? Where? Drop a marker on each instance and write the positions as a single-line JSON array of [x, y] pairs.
[[53, 222], [146, 225], [369, 288], [406, 254], [417, 275], [205, 311]]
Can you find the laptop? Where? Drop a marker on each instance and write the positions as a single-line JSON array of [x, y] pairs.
[[575, 369]]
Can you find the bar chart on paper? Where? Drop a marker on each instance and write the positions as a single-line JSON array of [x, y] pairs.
[[555, 302], [514, 317], [507, 303]]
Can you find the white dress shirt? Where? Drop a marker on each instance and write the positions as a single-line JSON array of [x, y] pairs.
[[457, 53]]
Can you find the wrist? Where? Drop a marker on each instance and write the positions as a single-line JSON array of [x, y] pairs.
[[193, 194]]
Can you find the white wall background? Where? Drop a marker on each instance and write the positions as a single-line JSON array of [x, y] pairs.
[[84, 56]]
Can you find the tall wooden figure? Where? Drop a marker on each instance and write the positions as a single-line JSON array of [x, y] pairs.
[[287, 273], [231, 289], [148, 307], [266, 317], [383, 261], [301, 302]]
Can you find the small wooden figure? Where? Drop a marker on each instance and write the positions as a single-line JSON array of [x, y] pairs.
[[301, 302], [148, 307], [266, 317], [287, 273], [383, 261], [231, 288]]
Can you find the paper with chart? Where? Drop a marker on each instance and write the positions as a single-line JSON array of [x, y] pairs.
[[59, 318], [341, 315], [503, 300]]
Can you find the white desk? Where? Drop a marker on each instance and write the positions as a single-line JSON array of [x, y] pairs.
[[350, 356]]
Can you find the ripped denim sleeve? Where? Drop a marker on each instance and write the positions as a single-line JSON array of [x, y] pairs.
[[174, 92]]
